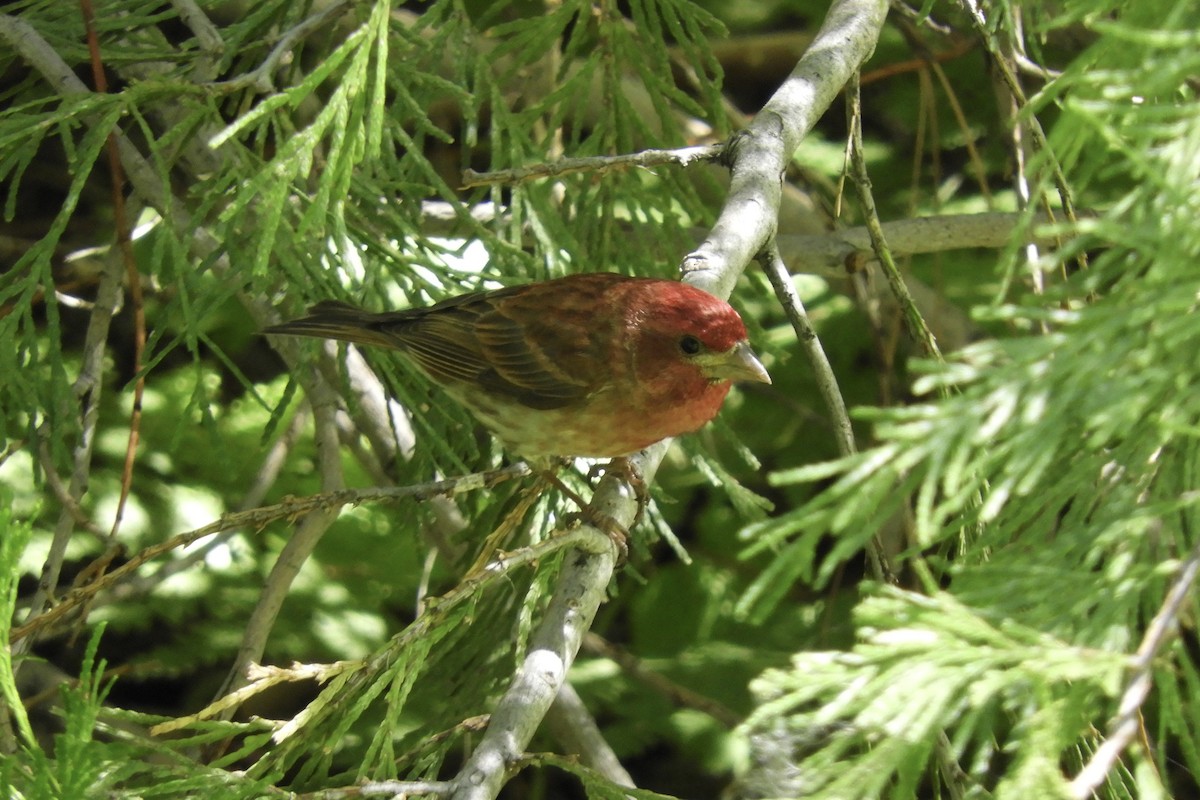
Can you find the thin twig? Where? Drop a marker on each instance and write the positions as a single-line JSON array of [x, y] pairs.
[[905, 10], [1125, 726], [573, 726], [14, 446], [88, 387], [682, 156], [255, 519], [62, 493], [299, 547], [922, 62], [88, 381], [1030, 67], [260, 76], [133, 279], [682, 696], [827, 384], [431, 742], [954, 777], [912, 317], [1036, 132], [909, 30], [793, 307]]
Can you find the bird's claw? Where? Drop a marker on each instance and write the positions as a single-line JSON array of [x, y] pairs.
[[627, 471], [610, 527]]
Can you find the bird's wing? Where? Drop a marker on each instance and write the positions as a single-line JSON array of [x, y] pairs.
[[506, 343]]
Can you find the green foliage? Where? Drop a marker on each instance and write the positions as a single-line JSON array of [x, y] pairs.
[[1050, 490], [868, 718], [266, 184], [16, 537], [78, 765], [1038, 494]]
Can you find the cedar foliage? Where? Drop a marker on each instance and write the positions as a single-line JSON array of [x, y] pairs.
[[1042, 480]]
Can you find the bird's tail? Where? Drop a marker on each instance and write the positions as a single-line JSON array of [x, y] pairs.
[[332, 319]]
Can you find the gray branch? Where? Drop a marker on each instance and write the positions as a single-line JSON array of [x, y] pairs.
[[745, 227], [582, 587], [1129, 713], [565, 166], [299, 547], [835, 252], [572, 724], [760, 154]]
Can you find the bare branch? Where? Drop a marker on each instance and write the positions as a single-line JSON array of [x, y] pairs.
[[1125, 726], [88, 388], [260, 76], [1037, 134], [258, 517], [298, 548], [826, 382], [682, 156], [570, 722], [917, 328], [761, 152], [636, 669], [744, 228], [849, 249]]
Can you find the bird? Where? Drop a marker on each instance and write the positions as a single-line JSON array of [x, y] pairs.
[[595, 365]]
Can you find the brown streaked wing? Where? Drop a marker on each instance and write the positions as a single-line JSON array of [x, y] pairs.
[[544, 342], [523, 368], [533, 343], [441, 338]]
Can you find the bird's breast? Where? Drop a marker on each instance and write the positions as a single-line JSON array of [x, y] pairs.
[[604, 425]]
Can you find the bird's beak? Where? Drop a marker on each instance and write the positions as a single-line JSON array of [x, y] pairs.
[[737, 364]]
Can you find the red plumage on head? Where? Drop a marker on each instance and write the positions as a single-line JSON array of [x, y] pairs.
[[671, 306]]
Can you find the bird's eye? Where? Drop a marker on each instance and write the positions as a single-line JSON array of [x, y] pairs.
[[689, 345]]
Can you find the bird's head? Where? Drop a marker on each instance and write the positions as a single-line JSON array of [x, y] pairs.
[[687, 341]]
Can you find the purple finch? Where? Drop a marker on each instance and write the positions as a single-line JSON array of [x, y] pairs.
[[598, 365]]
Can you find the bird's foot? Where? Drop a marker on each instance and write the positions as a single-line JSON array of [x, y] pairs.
[[603, 522], [626, 470], [610, 527]]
